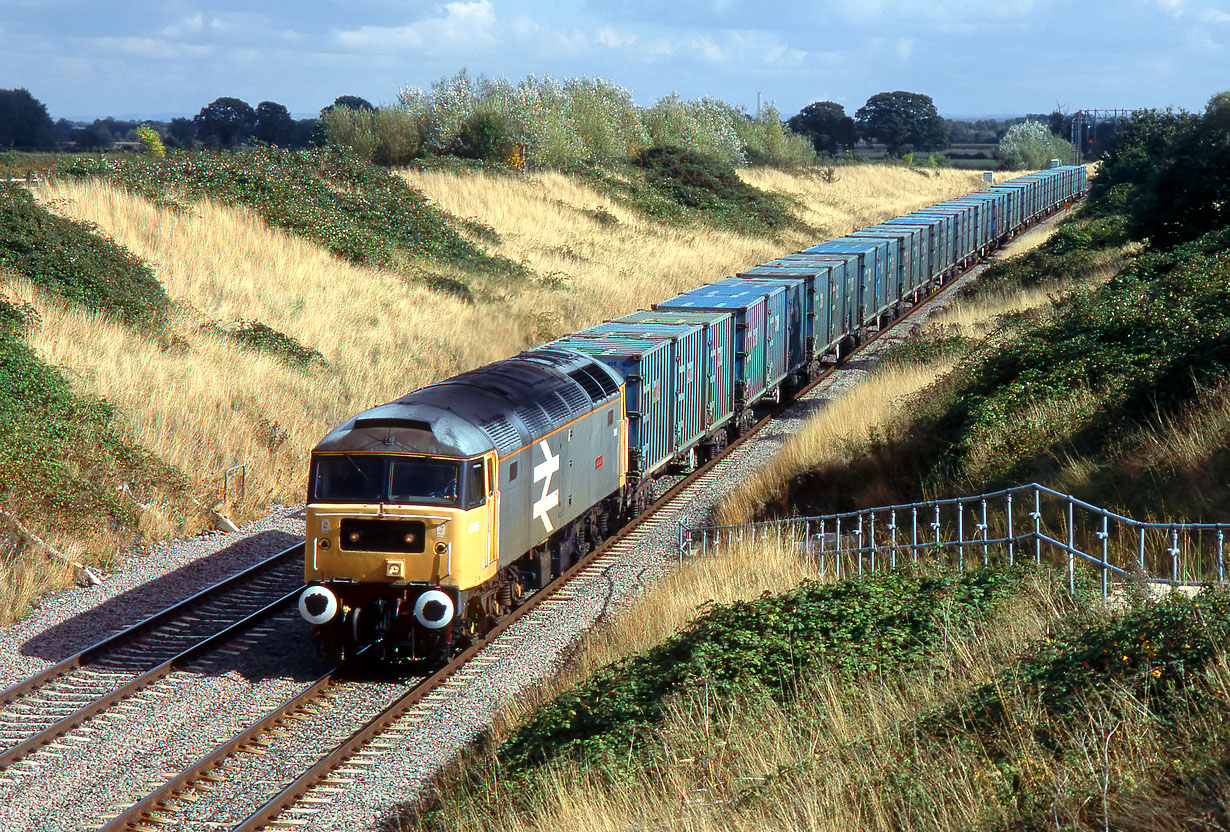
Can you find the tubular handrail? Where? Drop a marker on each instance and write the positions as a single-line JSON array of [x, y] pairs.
[[1120, 547]]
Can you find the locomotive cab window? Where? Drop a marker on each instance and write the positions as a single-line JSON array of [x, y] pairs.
[[413, 480], [476, 483], [349, 478], [371, 478]]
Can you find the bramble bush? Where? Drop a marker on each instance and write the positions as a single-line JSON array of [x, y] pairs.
[[72, 260]]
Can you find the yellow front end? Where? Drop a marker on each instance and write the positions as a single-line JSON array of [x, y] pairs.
[[383, 544]]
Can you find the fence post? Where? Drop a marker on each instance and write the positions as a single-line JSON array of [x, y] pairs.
[[1071, 546], [1038, 526], [914, 534], [858, 546], [1105, 535], [1221, 571], [986, 547], [1174, 555], [1008, 533], [892, 527], [960, 535]]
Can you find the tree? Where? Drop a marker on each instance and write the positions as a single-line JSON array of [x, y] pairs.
[[352, 102], [151, 142], [1171, 171], [1031, 144], [182, 131], [226, 122], [274, 124], [95, 136], [897, 119], [24, 122], [826, 125]]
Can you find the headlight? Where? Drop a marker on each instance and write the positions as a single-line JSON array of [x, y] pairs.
[[433, 609], [317, 605]]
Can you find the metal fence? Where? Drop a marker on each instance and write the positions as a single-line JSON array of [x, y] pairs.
[[1027, 522]]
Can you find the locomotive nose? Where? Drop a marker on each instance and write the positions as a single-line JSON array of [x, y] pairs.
[[433, 609], [317, 605]]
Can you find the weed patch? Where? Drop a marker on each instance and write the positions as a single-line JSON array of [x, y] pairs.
[[853, 628], [72, 260], [687, 187]]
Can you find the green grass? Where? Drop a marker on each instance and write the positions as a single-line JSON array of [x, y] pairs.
[[62, 458]]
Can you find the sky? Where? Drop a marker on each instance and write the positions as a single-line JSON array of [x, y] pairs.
[[138, 58]]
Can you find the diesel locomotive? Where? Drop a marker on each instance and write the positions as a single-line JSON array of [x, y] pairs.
[[430, 517]]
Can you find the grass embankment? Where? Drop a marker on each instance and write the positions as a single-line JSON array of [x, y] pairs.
[[286, 292], [63, 456], [1115, 393], [917, 700]]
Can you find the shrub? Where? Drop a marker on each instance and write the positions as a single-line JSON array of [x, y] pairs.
[[260, 337], [151, 142], [1031, 144], [72, 260], [708, 187]]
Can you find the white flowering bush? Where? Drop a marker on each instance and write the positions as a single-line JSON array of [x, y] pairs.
[[545, 122], [1030, 145]]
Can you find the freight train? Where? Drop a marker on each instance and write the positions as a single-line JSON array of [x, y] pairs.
[[430, 517]]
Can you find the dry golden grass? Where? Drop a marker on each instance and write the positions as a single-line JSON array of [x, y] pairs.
[[206, 404], [833, 435], [862, 195]]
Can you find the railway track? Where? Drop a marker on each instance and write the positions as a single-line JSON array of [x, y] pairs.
[[46, 708], [293, 765]]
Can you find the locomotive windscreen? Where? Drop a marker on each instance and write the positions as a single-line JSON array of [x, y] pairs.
[[367, 478]]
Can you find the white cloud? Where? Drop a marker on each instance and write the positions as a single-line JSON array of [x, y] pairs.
[[460, 24], [184, 27], [612, 38], [1174, 7], [153, 48], [904, 49], [1215, 16]]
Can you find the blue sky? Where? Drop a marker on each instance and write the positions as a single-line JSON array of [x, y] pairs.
[[138, 57]]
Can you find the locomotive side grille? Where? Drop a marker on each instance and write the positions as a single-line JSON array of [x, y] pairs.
[[598, 385], [503, 434], [556, 408], [575, 399], [535, 419], [364, 535]]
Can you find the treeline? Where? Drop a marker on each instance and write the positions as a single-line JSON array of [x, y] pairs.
[[543, 122]]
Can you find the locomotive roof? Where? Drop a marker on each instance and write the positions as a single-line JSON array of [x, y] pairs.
[[502, 406]]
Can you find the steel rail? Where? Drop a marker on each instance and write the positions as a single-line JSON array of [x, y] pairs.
[[149, 677], [203, 769], [91, 654]]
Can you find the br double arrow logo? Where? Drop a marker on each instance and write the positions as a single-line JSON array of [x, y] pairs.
[[543, 472]]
